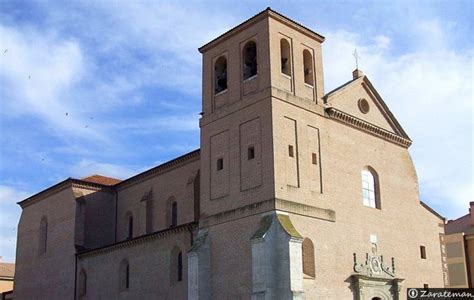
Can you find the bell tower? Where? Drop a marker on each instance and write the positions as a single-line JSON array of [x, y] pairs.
[[259, 78], [267, 57]]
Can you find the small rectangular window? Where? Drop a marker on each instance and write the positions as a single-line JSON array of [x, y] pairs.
[[423, 252], [373, 239], [314, 158], [220, 164], [251, 153], [425, 286], [291, 151]]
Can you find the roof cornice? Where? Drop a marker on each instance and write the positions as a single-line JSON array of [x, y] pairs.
[[186, 158], [375, 96], [139, 240], [367, 85], [267, 13], [78, 183], [434, 212], [295, 25], [67, 183], [7, 278], [339, 88], [357, 123]]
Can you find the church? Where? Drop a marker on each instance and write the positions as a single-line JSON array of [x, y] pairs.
[[295, 193]]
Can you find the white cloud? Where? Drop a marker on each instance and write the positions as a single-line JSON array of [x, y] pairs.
[[9, 216], [9, 195], [382, 42], [87, 167], [48, 72], [430, 91], [38, 73], [165, 35], [174, 123]]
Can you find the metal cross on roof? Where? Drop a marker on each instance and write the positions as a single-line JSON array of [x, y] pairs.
[[357, 57]]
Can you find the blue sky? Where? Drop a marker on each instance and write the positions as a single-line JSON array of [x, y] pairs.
[[115, 87]]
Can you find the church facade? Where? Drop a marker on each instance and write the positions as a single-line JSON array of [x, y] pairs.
[[294, 194]]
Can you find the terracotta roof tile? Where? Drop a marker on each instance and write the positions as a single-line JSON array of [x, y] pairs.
[[101, 180]]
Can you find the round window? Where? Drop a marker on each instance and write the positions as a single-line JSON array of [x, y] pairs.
[[363, 106]]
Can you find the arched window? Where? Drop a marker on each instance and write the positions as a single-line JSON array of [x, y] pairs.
[[250, 60], [308, 67], [285, 57], [149, 213], [370, 189], [180, 266], [129, 220], [82, 283], [220, 75], [124, 275], [308, 258], [176, 265], [171, 212], [174, 213], [43, 236]]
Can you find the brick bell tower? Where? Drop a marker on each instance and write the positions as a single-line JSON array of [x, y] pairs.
[[267, 58]]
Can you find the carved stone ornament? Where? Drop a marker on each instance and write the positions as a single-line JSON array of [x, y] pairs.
[[373, 279], [374, 267]]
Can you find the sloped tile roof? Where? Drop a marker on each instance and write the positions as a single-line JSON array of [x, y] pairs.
[[104, 180]]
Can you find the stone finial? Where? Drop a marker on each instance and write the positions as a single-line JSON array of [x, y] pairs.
[[357, 73]]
